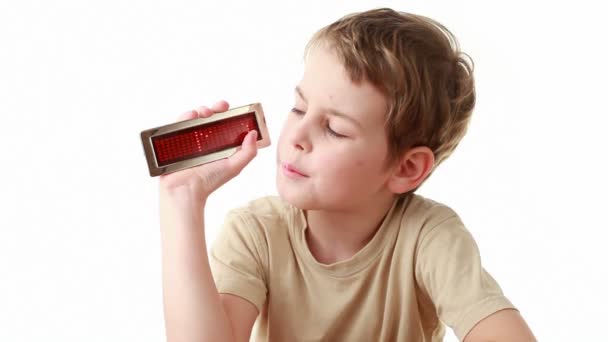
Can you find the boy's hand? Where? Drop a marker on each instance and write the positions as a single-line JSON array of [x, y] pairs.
[[200, 181]]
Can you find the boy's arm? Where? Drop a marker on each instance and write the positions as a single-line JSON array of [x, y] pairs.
[[193, 309], [465, 296], [504, 325], [242, 315]]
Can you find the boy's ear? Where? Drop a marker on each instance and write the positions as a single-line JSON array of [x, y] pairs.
[[411, 170]]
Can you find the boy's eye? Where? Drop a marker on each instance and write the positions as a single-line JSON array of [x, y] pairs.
[[297, 111], [328, 129]]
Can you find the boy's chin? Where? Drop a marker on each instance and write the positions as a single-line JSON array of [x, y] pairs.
[[296, 197], [293, 197]]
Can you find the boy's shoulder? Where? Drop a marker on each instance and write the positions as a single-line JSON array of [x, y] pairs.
[[266, 206], [424, 220], [417, 207], [435, 227], [427, 212], [272, 214], [268, 213]]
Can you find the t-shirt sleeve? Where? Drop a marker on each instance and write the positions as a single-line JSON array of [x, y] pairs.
[[238, 258], [449, 270]]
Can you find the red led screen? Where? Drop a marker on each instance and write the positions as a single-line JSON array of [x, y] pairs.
[[207, 138]]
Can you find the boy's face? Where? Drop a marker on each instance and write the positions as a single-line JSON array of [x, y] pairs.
[[339, 172]]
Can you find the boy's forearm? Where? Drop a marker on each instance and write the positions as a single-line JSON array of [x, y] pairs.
[[192, 307]]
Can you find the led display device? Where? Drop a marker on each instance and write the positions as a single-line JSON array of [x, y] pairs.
[[189, 143]]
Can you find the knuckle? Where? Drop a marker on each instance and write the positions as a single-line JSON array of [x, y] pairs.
[[203, 110]]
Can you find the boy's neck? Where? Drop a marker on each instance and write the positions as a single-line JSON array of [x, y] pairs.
[[334, 236]]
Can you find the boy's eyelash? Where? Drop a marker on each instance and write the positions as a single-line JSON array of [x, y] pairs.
[[297, 111], [329, 130]]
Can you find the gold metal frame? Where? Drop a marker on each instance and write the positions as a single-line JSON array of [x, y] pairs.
[[263, 139]]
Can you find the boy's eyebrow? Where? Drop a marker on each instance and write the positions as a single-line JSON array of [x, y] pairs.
[[330, 110]]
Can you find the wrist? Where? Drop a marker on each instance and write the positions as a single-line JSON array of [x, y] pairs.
[[183, 197]]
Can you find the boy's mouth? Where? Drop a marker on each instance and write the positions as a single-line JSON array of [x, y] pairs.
[[291, 170]]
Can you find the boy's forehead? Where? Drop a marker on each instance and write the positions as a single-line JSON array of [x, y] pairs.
[[327, 83]]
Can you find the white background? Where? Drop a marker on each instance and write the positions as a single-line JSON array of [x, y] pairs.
[[79, 80]]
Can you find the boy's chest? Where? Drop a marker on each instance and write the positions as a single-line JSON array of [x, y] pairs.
[[306, 303]]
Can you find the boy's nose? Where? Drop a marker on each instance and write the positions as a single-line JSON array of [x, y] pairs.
[[302, 143], [300, 138], [300, 147]]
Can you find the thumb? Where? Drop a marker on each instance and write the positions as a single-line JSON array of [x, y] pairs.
[[217, 173], [244, 153]]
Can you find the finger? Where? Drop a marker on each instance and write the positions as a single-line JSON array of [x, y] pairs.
[[191, 114], [250, 141], [245, 153], [220, 106], [253, 142], [204, 111]]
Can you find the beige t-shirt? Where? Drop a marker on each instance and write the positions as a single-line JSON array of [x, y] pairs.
[[421, 268]]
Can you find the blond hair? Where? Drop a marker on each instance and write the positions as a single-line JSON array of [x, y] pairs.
[[417, 64]]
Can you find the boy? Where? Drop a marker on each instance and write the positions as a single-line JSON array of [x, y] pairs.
[[347, 252]]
